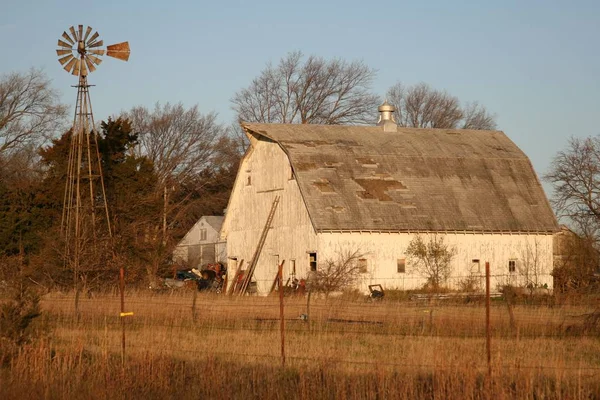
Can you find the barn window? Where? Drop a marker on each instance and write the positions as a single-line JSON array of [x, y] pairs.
[[362, 265], [401, 265], [475, 265], [312, 257], [202, 234], [512, 265], [293, 267], [248, 180]]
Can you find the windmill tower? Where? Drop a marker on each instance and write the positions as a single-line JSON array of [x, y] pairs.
[[85, 194]]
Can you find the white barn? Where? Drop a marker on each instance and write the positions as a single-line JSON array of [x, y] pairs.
[[374, 188], [201, 244]]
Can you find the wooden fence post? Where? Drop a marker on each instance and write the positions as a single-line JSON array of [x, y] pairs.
[[122, 315]]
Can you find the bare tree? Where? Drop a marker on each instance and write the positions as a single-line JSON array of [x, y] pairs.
[[30, 110], [311, 91], [421, 106], [337, 273], [576, 260], [475, 116], [530, 266], [431, 259], [179, 141], [575, 175]]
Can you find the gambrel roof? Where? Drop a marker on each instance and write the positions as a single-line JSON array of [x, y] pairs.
[[360, 178]]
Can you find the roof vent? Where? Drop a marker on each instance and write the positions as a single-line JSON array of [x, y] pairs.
[[386, 117]]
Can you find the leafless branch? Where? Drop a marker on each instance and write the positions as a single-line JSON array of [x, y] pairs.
[[30, 111], [315, 91], [421, 106], [575, 174]]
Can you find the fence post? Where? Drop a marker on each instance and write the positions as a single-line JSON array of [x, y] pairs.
[[194, 298], [122, 315], [488, 341]]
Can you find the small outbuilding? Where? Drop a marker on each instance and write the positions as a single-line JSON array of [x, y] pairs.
[[201, 245]]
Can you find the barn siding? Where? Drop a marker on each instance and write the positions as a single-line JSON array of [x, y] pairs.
[[384, 249], [292, 234]]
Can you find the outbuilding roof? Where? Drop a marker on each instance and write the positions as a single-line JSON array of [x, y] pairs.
[[360, 178]]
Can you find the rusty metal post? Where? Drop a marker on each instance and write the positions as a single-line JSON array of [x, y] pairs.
[[194, 298], [281, 314], [488, 341], [122, 290]]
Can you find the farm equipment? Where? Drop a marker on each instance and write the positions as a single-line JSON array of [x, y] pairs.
[[209, 279], [376, 292]]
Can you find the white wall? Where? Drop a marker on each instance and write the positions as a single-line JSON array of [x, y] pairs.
[[181, 253], [532, 253], [292, 233]]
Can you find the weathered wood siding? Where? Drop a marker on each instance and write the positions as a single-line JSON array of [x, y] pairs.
[[264, 174]]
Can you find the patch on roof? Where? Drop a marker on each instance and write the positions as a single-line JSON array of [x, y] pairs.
[[367, 162], [305, 166], [337, 209], [375, 189], [323, 185]]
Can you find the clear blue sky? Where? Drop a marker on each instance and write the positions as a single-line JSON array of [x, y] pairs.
[[533, 63]]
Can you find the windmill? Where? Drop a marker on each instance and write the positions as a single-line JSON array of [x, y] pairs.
[[80, 53]]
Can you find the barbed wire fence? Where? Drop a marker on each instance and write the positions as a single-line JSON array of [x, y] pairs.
[[191, 311]]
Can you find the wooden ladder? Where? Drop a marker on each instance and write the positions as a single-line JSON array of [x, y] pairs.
[[259, 247]]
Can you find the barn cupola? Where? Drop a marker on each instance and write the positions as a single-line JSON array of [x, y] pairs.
[[386, 117]]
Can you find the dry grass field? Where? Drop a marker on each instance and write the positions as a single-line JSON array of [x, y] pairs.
[[182, 346]]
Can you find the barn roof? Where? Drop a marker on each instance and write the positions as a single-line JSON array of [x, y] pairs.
[[362, 178]]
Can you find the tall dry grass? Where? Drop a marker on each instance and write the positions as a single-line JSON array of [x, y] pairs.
[[229, 347]]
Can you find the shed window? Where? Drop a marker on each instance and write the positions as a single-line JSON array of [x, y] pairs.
[[401, 265], [202, 234], [512, 265], [312, 257], [362, 265]]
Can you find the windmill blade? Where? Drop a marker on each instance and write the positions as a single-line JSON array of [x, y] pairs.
[[77, 67], [70, 65], [64, 44], [119, 50], [90, 64], [68, 38], [72, 29], [80, 32], [96, 44], [87, 33], [94, 59], [97, 52], [63, 52], [64, 59], [94, 36]]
